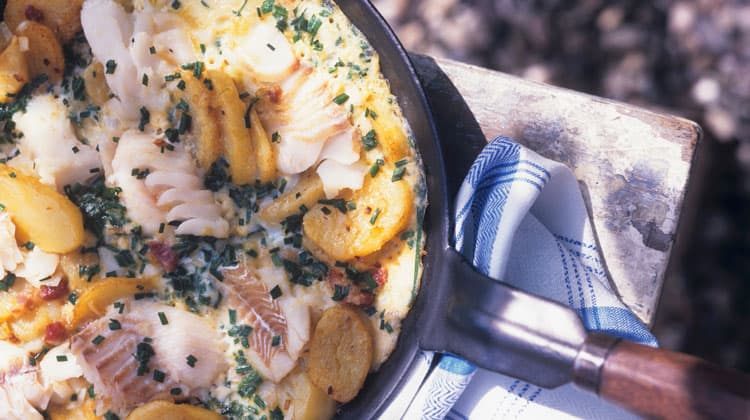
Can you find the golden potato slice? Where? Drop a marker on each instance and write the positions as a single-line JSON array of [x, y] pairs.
[[383, 209], [310, 402], [63, 17], [341, 352], [14, 72], [205, 130], [307, 192], [45, 55], [95, 83], [95, 301], [238, 147], [41, 214], [84, 411], [390, 132], [265, 153], [165, 410]]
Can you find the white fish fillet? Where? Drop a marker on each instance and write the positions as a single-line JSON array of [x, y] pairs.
[[286, 318], [113, 369], [49, 141], [21, 391], [172, 190], [10, 254]]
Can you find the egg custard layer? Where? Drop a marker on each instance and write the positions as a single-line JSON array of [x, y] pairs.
[[207, 209]]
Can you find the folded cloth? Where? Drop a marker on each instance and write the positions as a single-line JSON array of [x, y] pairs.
[[521, 218]]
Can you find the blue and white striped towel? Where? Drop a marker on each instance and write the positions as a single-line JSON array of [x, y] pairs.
[[521, 218]]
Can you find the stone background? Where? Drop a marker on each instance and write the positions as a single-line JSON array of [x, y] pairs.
[[689, 58]]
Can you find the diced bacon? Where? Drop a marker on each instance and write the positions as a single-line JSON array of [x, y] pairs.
[[164, 254], [55, 292], [55, 333]]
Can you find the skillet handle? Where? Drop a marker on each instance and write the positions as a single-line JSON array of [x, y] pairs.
[[659, 383]]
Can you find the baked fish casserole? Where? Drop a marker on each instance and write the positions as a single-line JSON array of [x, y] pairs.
[[208, 209]]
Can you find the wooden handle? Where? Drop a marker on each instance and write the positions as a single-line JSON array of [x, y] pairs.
[[664, 384]]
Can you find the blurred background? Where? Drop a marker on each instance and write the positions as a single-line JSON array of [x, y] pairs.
[[689, 58]]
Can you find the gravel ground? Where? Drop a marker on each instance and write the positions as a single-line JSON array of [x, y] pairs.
[[690, 58]]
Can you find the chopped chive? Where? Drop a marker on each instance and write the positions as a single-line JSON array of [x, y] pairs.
[[73, 297], [159, 375], [98, 340], [90, 391], [163, 318], [374, 217], [176, 4], [276, 340], [275, 292], [181, 85], [341, 98], [161, 227], [271, 47], [145, 118], [62, 358], [239, 11], [259, 402], [402, 162], [109, 415], [203, 48], [175, 391], [369, 140], [173, 76], [191, 360], [114, 325], [232, 316], [398, 173], [29, 245], [340, 292], [111, 65], [76, 149], [144, 79], [152, 49]]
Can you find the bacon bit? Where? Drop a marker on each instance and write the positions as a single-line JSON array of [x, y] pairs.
[[274, 94], [55, 333], [160, 142], [380, 275], [164, 254], [55, 292], [32, 13]]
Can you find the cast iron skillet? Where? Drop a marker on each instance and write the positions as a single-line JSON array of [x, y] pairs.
[[456, 308]]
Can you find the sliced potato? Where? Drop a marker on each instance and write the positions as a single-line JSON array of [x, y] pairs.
[[238, 147], [390, 132], [265, 152], [14, 72], [45, 55], [341, 353], [63, 17], [383, 210], [310, 402], [206, 134], [41, 214], [94, 302], [307, 192], [95, 83], [84, 411], [165, 410]]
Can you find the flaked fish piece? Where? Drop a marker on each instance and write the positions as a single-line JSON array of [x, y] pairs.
[[51, 144], [152, 350], [10, 254], [168, 190], [280, 326], [21, 391], [301, 111]]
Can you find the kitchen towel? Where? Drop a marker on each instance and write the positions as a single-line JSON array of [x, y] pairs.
[[521, 218]]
